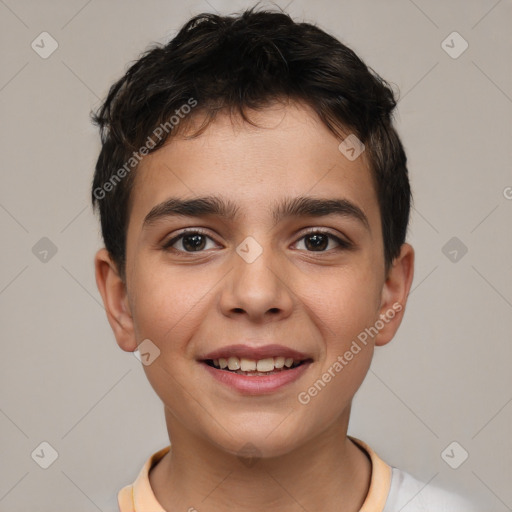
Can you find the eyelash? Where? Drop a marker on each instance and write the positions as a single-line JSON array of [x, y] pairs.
[[343, 244]]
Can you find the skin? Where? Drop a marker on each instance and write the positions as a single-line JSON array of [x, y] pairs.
[[316, 301]]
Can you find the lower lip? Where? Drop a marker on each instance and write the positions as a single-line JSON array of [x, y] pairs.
[[257, 385]]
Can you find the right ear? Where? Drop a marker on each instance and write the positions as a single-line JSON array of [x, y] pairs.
[[115, 299]]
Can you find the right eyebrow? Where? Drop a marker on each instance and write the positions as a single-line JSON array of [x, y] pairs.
[[196, 207]]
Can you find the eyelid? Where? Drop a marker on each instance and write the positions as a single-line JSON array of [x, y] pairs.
[[326, 231]]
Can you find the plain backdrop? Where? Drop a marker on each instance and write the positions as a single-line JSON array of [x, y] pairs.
[[444, 379]]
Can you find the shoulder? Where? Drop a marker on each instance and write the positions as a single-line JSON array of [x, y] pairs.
[[409, 494]]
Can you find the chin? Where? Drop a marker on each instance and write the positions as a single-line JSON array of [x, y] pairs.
[[269, 440]]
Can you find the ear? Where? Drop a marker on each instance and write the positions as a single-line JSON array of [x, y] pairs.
[[115, 298], [394, 294]]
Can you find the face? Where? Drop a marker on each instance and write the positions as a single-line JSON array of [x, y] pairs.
[[253, 273]]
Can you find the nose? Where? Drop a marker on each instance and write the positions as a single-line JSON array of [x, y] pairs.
[[259, 289]]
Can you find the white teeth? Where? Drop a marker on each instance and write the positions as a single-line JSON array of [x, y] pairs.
[[243, 364], [234, 363], [248, 365], [279, 362], [265, 365]]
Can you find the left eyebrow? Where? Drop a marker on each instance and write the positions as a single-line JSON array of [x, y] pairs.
[[302, 206], [318, 207]]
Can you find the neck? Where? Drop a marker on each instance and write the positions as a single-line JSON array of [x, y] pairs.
[[321, 474]]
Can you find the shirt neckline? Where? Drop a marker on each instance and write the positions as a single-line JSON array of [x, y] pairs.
[[139, 497]]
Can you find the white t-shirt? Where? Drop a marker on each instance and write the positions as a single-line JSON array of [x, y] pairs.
[[407, 494]]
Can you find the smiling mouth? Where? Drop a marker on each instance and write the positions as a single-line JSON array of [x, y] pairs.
[[260, 368]]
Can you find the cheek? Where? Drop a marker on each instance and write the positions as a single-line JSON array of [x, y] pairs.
[[343, 315], [165, 315], [346, 306], [166, 305], [167, 311]]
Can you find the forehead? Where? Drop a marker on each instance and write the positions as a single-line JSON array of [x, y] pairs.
[[289, 153]]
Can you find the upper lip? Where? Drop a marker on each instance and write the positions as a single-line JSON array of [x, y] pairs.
[[255, 353]]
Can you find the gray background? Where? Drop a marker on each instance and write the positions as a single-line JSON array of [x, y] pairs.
[[445, 377]]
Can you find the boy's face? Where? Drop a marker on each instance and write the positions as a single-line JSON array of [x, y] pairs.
[[285, 287]]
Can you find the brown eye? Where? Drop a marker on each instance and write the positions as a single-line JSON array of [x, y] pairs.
[[193, 242], [188, 241], [318, 241]]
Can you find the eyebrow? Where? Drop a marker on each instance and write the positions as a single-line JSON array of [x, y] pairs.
[[289, 207]]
